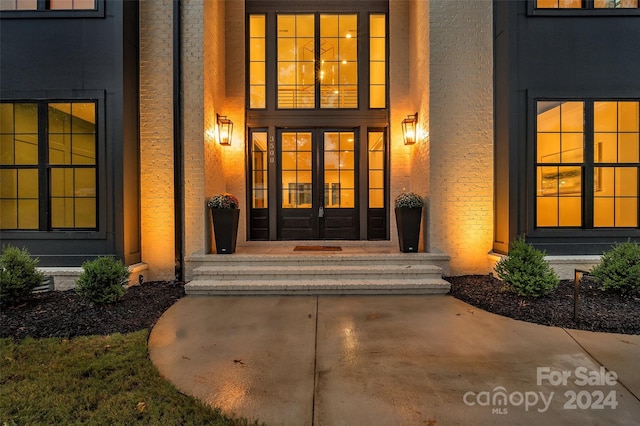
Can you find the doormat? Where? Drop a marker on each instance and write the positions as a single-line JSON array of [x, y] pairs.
[[317, 248]]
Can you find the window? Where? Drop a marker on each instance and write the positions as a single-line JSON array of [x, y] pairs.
[[586, 4], [257, 62], [48, 5], [315, 60], [377, 61], [376, 169], [48, 165], [296, 61], [259, 170], [587, 162]]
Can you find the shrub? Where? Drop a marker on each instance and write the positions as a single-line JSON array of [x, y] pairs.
[[525, 271], [223, 201], [103, 280], [619, 268], [409, 200], [18, 275]]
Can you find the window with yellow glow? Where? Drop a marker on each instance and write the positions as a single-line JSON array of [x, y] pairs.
[[257, 62], [48, 5], [589, 4], [316, 60], [377, 61], [259, 196], [297, 169], [616, 155], [587, 161], [560, 156], [339, 169], [296, 61], [69, 169], [376, 169], [19, 187], [338, 61]]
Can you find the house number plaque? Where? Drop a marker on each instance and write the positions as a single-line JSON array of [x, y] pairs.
[[272, 149]]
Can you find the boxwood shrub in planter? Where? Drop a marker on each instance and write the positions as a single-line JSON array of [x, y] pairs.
[[225, 214], [408, 208]]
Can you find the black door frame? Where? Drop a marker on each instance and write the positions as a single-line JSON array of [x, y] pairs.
[[331, 223]]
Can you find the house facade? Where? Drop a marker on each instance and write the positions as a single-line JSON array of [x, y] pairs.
[[526, 122]]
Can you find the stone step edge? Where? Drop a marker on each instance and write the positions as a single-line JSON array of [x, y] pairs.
[[425, 286], [298, 269], [323, 256]]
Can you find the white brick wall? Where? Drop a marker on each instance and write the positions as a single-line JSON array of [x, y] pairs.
[[461, 132], [156, 138]]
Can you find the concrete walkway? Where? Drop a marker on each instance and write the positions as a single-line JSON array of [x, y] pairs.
[[392, 360]]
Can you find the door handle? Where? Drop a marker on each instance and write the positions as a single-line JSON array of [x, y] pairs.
[[321, 212]]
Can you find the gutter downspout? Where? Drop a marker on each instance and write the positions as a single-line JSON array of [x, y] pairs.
[[177, 143]]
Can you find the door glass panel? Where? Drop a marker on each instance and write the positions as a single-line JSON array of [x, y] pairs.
[[297, 167], [339, 170]]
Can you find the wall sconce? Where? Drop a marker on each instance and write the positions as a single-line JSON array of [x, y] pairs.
[[225, 129], [409, 129]]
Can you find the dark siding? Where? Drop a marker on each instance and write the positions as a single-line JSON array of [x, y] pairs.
[[44, 58], [578, 55]]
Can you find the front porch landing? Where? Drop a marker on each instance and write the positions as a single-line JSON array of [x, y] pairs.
[[275, 268]]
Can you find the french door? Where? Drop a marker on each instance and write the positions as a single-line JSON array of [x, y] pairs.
[[317, 184]]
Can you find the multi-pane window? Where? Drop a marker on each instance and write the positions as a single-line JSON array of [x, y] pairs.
[[377, 61], [257, 62], [19, 186], [48, 5], [297, 170], [587, 161], [338, 61], [296, 61], [259, 170], [616, 158], [339, 169], [376, 169], [48, 165], [317, 59], [586, 4], [560, 157]]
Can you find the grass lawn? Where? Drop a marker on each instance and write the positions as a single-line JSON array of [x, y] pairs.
[[93, 380]]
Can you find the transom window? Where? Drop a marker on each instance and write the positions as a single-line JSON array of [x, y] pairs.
[[317, 60], [586, 4], [587, 163], [48, 165], [47, 5]]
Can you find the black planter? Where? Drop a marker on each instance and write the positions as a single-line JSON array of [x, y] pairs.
[[408, 222], [225, 229]]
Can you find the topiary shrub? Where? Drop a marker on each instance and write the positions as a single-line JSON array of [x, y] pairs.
[[525, 271], [103, 280], [18, 275], [619, 268], [409, 200]]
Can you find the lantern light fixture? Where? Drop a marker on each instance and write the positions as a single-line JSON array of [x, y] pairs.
[[225, 129], [410, 129]]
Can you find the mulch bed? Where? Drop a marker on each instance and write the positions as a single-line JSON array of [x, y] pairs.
[[64, 314], [598, 310]]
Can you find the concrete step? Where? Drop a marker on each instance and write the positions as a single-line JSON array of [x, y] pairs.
[[330, 258], [315, 272], [318, 286]]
